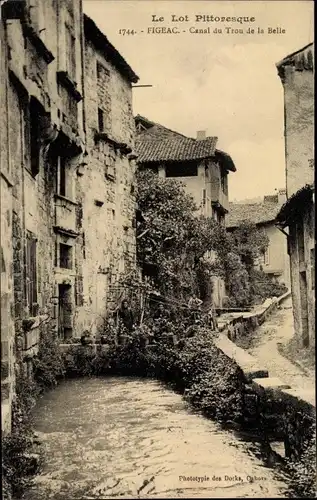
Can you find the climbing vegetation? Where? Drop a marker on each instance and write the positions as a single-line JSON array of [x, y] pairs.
[[181, 251]]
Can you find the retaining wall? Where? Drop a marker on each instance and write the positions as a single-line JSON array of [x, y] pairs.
[[285, 413]]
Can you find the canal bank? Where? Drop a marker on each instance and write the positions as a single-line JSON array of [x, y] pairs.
[[212, 382], [129, 437]]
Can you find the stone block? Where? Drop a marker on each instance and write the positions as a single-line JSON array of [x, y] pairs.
[[248, 364], [303, 398], [270, 383]]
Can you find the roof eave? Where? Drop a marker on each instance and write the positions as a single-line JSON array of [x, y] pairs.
[[227, 160], [284, 215], [174, 161]]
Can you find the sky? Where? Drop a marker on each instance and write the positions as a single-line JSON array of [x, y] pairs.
[[226, 84]]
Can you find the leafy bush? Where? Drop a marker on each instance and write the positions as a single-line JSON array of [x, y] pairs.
[[48, 365], [302, 471], [263, 286], [18, 467], [172, 239]]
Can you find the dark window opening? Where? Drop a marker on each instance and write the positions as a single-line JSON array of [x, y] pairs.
[[65, 312], [65, 256], [101, 121], [62, 176], [224, 182], [204, 197], [35, 110], [182, 170], [31, 274]]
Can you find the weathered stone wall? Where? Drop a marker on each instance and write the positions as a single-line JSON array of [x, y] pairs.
[[303, 269], [7, 323], [297, 74], [299, 125], [31, 58], [107, 190]]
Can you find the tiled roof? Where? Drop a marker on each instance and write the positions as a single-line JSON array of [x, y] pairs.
[[180, 149], [156, 143], [153, 131], [101, 42], [258, 213]]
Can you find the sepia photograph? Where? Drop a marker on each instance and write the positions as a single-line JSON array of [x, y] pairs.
[[157, 249]]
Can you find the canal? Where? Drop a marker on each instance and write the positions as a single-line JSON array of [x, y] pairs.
[[130, 438]]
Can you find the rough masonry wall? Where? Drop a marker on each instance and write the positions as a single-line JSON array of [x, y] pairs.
[[299, 128], [33, 211], [107, 193], [307, 223], [6, 257], [33, 201]]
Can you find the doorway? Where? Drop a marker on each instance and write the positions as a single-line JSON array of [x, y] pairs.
[[65, 312]]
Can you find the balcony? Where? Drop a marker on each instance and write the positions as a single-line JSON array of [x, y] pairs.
[[65, 215]]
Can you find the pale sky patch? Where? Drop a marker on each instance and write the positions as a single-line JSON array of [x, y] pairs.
[[224, 84]]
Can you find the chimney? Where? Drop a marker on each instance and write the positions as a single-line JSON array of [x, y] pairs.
[[281, 195], [201, 135]]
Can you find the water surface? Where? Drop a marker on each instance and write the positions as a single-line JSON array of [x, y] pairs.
[[129, 438]]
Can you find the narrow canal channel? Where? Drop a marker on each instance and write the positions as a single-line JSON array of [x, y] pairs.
[[129, 438]]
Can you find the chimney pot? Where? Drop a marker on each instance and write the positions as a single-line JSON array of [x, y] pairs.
[[201, 134]]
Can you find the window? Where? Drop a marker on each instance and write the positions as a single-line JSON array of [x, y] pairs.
[[104, 97], [63, 177], [204, 197], [32, 134], [101, 121], [182, 170], [224, 182], [65, 256], [31, 274]]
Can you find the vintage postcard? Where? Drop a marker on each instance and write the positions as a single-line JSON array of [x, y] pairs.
[[157, 249]]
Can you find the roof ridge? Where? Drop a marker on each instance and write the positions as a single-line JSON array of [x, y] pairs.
[[160, 125], [284, 60]]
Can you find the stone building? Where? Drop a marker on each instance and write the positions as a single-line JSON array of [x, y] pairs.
[[275, 261], [107, 189], [197, 163], [67, 207], [41, 146], [297, 216]]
